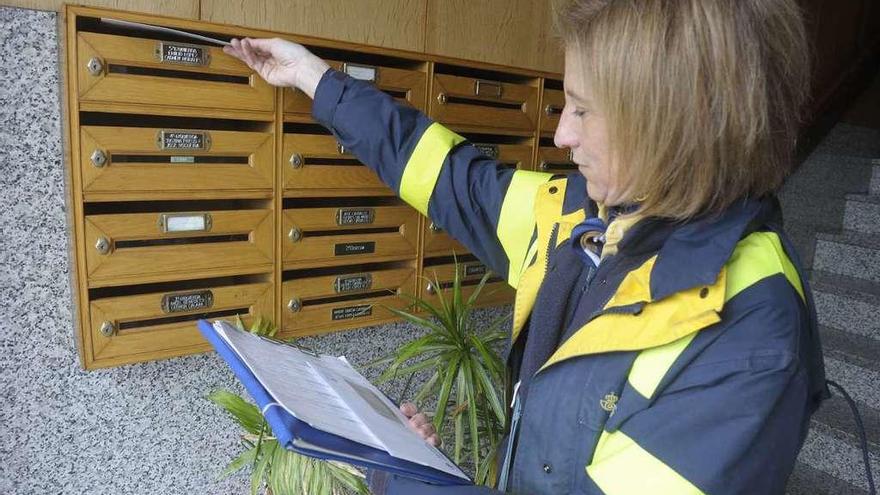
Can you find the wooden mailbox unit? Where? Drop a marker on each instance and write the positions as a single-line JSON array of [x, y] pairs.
[[196, 190]]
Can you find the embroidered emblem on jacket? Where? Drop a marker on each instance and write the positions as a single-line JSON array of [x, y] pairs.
[[609, 402]]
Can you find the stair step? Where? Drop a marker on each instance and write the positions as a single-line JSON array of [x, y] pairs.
[[807, 480], [836, 415], [862, 213], [805, 208], [861, 383], [847, 303], [854, 254], [875, 178], [851, 140], [851, 348], [803, 236], [814, 194], [826, 452]]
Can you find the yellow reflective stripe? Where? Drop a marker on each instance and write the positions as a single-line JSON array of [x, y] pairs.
[[621, 467], [421, 171], [516, 222], [756, 257], [547, 210], [651, 365], [533, 250]]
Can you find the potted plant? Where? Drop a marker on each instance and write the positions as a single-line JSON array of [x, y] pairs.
[[466, 373], [281, 471]]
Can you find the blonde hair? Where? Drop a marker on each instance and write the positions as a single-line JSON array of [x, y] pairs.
[[701, 98]]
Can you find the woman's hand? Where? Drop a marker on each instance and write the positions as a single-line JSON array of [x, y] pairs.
[[420, 424], [280, 62]]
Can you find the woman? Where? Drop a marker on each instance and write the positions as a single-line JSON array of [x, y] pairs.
[[664, 339]]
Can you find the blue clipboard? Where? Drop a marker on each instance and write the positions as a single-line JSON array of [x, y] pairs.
[[294, 434]]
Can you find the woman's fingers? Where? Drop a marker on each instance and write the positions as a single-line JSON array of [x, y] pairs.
[[419, 419], [420, 424], [408, 409], [433, 440]]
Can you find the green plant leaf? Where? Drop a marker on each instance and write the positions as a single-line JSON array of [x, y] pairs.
[[245, 458], [487, 386], [449, 375], [245, 414], [258, 472], [468, 383]]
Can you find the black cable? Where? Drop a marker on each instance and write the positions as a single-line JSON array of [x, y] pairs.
[[862, 437]]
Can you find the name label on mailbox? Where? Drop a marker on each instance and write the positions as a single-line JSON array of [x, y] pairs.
[[183, 140], [189, 301], [182, 54], [353, 283], [351, 312], [362, 72], [490, 150], [350, 248], [474, 270], [185, 222], [355, 216]]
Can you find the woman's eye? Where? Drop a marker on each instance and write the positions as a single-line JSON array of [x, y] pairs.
[[579, 113]]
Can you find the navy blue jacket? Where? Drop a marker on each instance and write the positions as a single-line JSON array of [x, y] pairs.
[[686, 362]]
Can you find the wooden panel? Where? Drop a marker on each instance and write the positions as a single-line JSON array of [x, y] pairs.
[[551, 108], [389, 23], [468, 101], [102, 83], [325, 238], [495, 291], [313, 304], [144, 327], [507, 32], [834, 35], [315, 162], [188, 9], [407, 86], [555, 160], [145, 164], [134, 256]]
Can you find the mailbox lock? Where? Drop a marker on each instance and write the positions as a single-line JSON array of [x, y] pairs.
[[430, 288], [95, 66], [295, 234], [108, 329], [543, 166], [98, 158], [294, 305], [103, 245], [434, 227], [441, 98], [296, 160]]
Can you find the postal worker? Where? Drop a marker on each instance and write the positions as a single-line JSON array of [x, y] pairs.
[[664, 338]]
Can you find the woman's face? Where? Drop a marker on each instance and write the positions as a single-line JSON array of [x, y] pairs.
[[582, 130]]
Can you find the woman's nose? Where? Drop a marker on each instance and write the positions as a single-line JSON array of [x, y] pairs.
[[566, 133]]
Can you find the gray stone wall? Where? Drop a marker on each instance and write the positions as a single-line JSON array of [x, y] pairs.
[[139, 429]]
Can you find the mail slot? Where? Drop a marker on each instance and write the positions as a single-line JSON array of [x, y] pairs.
[[439, 276], [123, 69], [346, 298], [552, 105], [127, 160], [156, 325], [405, 85], [128, 248], [317, 163], [555, 160], [469, 102], [342, 235]]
